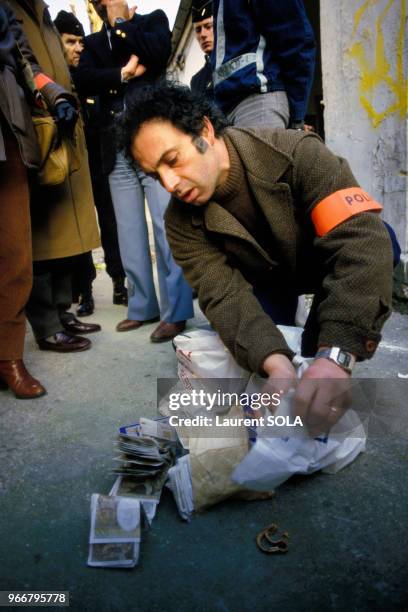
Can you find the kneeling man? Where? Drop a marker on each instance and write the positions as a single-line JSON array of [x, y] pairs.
[[257, 218]]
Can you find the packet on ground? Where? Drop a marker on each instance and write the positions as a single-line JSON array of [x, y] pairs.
[[180, 485], [147, 491], [115, 531], [147, 451]]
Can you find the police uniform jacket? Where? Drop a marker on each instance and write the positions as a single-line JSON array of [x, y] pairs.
[[201, 82], [349, 269], [260, 47], [99, 70]]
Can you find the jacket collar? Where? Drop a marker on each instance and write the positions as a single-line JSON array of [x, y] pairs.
[[263, 179], [254, 147]]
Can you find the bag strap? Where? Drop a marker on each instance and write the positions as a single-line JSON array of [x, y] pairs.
[[29, 81]]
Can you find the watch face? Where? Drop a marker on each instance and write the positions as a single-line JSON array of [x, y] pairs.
[[343, 359]]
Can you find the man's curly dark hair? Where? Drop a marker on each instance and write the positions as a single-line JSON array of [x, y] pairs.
[[166, 101]]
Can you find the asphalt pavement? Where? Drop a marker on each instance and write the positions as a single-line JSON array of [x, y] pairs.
[[348, 532]]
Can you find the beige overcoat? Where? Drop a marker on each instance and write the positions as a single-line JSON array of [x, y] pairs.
[[63, 217]]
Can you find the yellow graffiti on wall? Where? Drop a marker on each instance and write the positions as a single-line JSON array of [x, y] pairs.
[[379, 70]]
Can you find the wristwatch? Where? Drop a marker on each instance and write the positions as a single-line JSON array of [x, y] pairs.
[[297, 125], [343, 359]]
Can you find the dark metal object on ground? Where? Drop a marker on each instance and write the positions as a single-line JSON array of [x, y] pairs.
[[268, 545]]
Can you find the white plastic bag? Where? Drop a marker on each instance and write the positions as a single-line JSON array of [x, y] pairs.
[[272, 460], [204, 364], [201, 354]]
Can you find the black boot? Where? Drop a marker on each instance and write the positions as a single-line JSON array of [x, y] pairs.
[[86, 305], [120, 294]]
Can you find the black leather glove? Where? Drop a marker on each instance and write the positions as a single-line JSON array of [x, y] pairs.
[[66, 116]]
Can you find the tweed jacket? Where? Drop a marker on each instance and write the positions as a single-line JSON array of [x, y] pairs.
[[349, 269], [63, 218]]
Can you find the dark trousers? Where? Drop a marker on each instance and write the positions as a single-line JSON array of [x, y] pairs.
[[15, 249], [83, 275], [281, 306], [107, 224], [281, 303], [51, 296]]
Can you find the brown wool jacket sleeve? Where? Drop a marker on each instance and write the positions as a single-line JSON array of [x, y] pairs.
[[357, 254]]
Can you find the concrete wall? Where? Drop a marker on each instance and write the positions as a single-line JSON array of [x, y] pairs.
[[187, 58], [364, 65]]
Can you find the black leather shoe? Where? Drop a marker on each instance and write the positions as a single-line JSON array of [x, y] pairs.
[[77, 327], [86, 307], [120, 293], [64, 343]]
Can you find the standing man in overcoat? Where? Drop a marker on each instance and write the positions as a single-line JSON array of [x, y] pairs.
[[19, 155], [72, 35], [63, 217]]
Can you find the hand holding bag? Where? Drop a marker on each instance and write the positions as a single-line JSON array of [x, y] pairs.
[[59, 157]]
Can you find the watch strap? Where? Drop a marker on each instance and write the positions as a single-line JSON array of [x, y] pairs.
[[342, 358]]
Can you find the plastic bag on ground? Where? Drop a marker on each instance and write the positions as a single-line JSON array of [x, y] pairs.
[[272, 460]]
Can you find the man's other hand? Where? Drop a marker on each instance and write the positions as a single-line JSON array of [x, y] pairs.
[[322, 396], [130, 70], [281, 374], [118, 9], [66, 116]]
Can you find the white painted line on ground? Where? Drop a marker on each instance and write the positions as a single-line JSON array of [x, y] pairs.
[[393, 347]]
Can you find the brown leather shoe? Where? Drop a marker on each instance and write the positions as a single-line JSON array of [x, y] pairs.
[[13, 374], [129, 324], [78, 327], [167, 331], [64, 342]]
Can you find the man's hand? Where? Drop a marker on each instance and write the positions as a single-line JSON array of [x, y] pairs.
[[130, 70], [322, 396], [140, 70], [281, 375], [118, 9], [66, 116]]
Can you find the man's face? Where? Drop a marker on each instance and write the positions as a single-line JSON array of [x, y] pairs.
[[205, 34], [188, 169], [73, 46]]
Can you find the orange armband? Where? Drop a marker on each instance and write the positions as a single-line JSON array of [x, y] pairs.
[[340, 206], [41, 80]]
